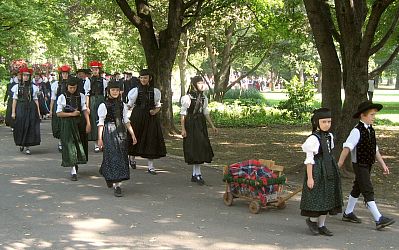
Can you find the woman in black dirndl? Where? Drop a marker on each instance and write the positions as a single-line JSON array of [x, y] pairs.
[[8, 99], [25, 111], [74, 125], [94, 97], [113, 129], [58, 88], [146, 103], [194, 114]]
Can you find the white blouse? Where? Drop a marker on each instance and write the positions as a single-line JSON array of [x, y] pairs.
[[14, 89], [132, 95], [61, 102], [102, 113], [87, 86], [186, 102], [311, 148], [54, 88]]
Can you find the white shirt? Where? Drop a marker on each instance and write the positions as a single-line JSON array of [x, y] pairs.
[[371, 85], [54, 89], [311, 148], [61, 102], [14, 89], [102, 113], [186, 102], [132, 95], [352, 141]]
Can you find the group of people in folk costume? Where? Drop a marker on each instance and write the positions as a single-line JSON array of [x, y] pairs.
[[121, 117]]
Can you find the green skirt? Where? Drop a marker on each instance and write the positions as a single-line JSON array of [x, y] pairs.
[[326, 195], [95, 101], [73, 142]]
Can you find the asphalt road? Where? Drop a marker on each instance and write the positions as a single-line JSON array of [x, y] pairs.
[[40, 208]]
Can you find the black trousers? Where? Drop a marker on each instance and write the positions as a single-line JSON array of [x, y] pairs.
[[362, 183]]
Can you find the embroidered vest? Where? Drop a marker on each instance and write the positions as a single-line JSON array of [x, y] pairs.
[[367, 145], [111, 111], [196, 105], [73, 102], [96, 86], [25, 93], [320, 152], [145, 97]]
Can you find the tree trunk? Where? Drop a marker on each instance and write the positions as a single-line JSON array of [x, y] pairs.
[[182, 60], [319, 80], [397, 79]]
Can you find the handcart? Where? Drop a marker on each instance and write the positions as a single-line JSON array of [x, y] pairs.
[[261, 182]]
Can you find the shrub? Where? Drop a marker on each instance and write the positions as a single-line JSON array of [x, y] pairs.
[[244, 94], [300, 100]]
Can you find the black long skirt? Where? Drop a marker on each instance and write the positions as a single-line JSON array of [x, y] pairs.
[[148, 132], [44, 110], [8, 120], [74, 141], [196, 145], [27, 124], [55, 123], [115, 164]]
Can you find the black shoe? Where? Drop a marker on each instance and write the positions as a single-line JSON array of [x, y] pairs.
[[76, 168], [21, 149], [324, 231], [118, 192], [193, 178], [312, 226], [74, 177], [200, 181], [384, 222], [59, 148], [132, 164], [351, 217], [109, 184], [152, 171]]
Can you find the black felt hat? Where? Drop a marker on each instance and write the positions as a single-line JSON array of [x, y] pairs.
[[113, 84], [73, 81], [81, 70], [364, 106]]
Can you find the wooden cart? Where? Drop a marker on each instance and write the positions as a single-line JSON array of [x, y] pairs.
[[276, 199]]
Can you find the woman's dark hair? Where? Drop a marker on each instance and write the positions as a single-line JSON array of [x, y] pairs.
[[193, 83]]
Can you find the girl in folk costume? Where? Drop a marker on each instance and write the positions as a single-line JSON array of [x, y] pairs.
[[194, 114], [94, 97], [113, 125], [26, 112], [8, 97], [38, 81], [146, 103], [74, 125], [58, 88], [321, 194]]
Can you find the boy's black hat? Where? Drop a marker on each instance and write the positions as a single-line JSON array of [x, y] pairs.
[[113, 84], [73, 81], [81, 70], [364, 106]]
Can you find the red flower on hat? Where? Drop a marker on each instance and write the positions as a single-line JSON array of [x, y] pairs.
[[64, 68], [25, 70], [95, 64]]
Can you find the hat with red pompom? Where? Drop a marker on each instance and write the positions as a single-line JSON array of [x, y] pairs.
[[64, 68], [95, 64]]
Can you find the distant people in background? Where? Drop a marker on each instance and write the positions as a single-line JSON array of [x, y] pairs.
[[8, 98], [370, 91], [84, 84], [42, 95], [129, 83]]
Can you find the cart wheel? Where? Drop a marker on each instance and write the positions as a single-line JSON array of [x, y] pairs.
[[281, 205], [254, 207], [228, 199]]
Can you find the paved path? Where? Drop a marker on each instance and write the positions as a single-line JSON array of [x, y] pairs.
[[40, 208]]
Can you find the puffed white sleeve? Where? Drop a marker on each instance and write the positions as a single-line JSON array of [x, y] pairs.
[[310, 147], [61, 103], [125, 114], [14, 90], [132, 96], [102, 113], [105, 84], [54, 88], [352, 140], [83, 102], [205, 109], [185, 104], [86, 86], [35, 92], [157, 98]]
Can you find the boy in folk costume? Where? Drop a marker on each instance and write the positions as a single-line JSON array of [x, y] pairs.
[[42, 98], [58, 88], [8, 98], [321, 194], [113, 129], [26, 112], [194, 114], [146, 103], [74, 125], [94, 97], [84, 84], [362, 144]]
